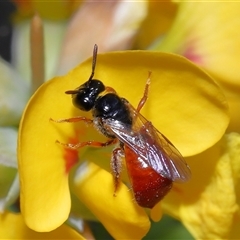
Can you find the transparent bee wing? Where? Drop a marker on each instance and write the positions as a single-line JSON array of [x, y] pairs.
[[163, 157], [153, 147]]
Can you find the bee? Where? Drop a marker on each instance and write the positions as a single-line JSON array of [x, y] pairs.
[[152, 161]]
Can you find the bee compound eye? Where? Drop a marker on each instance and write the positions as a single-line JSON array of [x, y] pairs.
[[83, 101], [85, 96]]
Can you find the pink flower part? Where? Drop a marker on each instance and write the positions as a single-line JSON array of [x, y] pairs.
[[190, 52]]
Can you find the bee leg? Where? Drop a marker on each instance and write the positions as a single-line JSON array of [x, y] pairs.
[[145, 93], [88, 143], [116, 166], [73, 119]]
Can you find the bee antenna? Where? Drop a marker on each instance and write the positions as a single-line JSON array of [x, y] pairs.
[[94, 60]]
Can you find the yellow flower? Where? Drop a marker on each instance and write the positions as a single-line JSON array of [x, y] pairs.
[[206, 34], [181, 96], [9, 221], [209, 39], [209, 205]]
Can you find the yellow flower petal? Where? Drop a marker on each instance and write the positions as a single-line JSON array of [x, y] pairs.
[[122, 218], [45, 196], [175, 83], [158, 20], [21, 231], [209, 204], [234, 107], [218, 53], [181, 96], [54, 10], [205, 32]]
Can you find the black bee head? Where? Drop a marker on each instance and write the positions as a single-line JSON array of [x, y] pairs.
[[84, 97]]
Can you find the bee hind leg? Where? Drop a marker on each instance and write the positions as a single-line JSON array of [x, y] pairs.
[[116, 167], [88, 143]]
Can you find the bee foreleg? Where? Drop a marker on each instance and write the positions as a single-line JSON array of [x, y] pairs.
[[145, 94], [88, 143], [73, 119]]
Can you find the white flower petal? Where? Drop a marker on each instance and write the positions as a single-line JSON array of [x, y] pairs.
[[13, 95]]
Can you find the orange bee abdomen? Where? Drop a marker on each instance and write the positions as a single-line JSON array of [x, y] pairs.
[[149, 187]]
